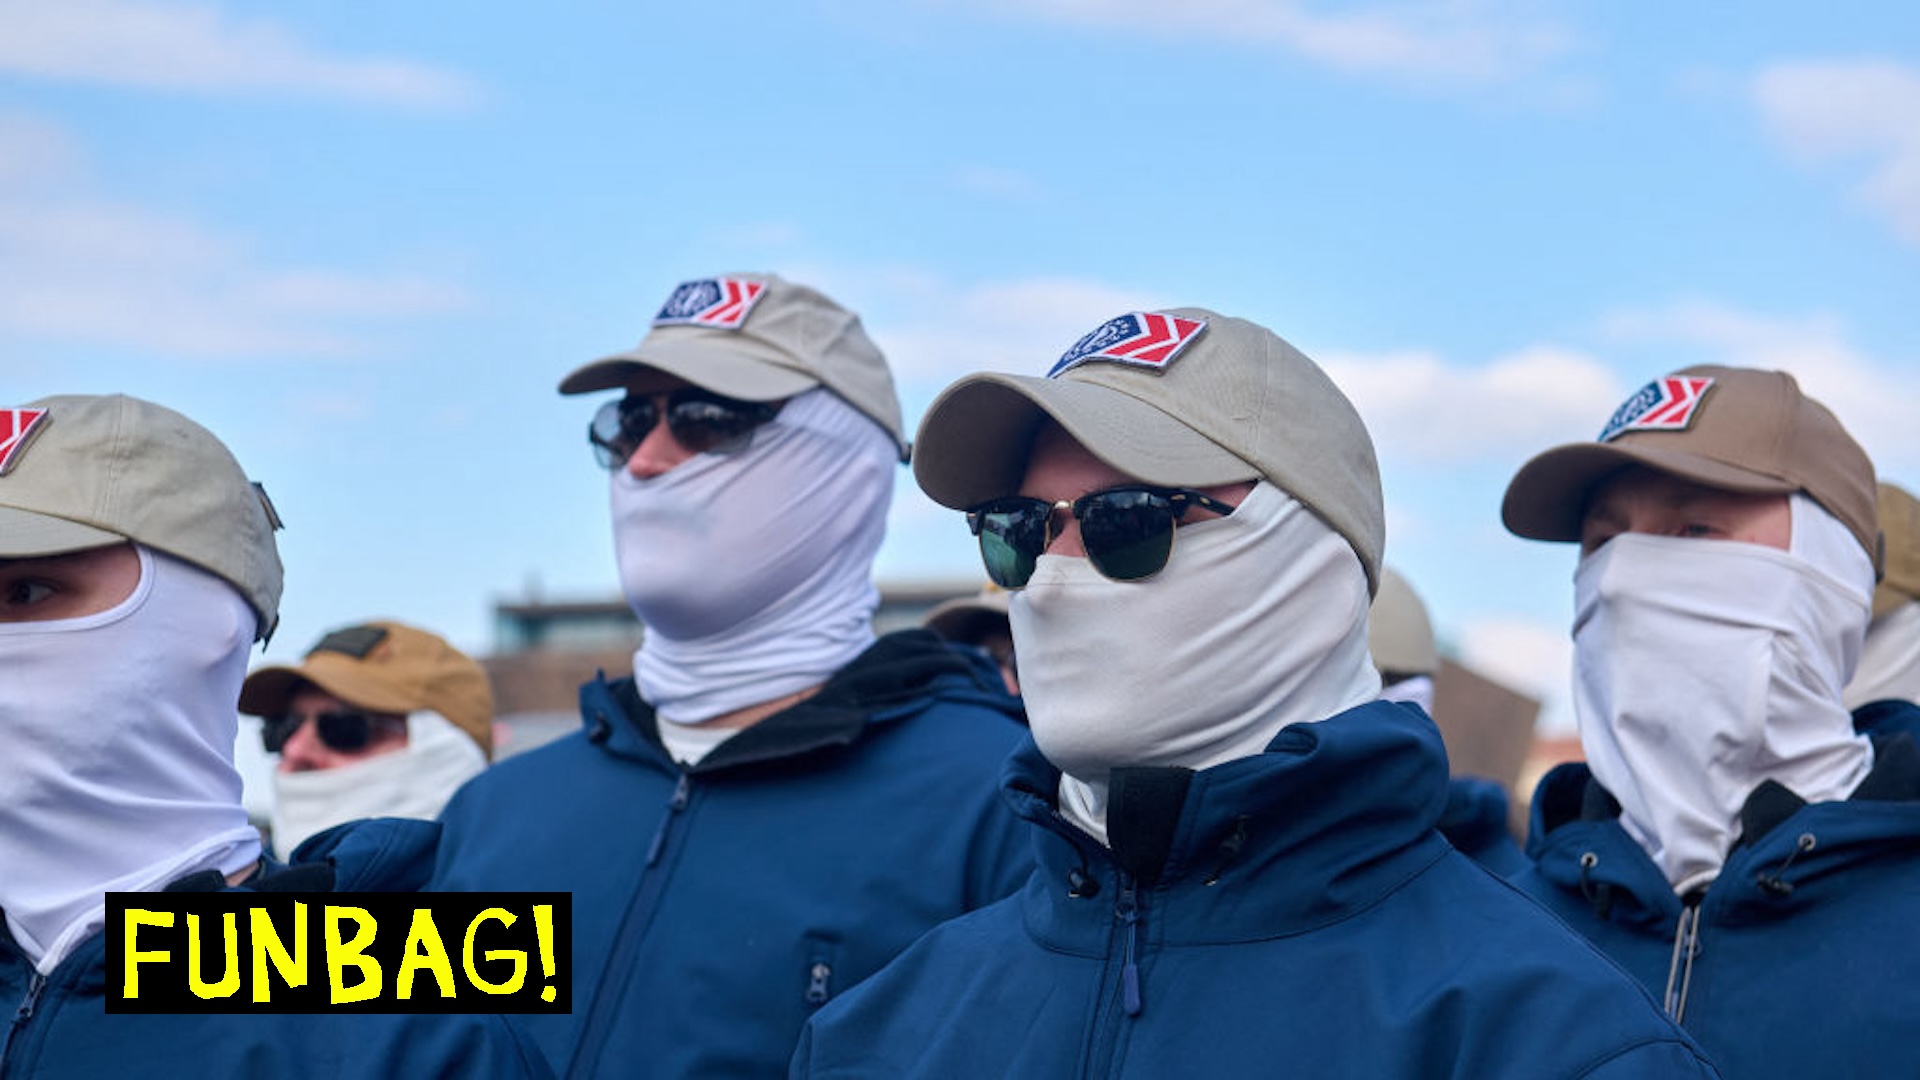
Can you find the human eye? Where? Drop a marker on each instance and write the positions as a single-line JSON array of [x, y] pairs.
[[1698, 530], [26, 591]]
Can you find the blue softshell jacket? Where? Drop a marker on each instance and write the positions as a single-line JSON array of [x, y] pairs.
[[715, 908], [1475, 823], [1803, 957], [60, 1029], [1291, 914]]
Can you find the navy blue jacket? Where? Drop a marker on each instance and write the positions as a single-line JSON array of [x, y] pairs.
[[1806, 957], [60, 1029], [715, 908], [1289, 914], [1475, 823]]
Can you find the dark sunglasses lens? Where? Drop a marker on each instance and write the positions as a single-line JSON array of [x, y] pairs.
[[1013, 533], [276, 730], [715, 427], [344, 731], [1127, 534], [618, 429]]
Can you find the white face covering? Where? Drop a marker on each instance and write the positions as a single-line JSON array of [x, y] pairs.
[[1703, 667], [1258, 621], [117, 774], [753, 572], [414, 781], [1890, 663], [1415, 691]]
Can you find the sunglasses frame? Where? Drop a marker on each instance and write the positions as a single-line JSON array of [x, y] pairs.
[[613, 449], [330, 727], [1178, 501]]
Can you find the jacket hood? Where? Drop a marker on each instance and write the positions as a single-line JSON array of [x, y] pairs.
[[1329, 819], [374, 855]]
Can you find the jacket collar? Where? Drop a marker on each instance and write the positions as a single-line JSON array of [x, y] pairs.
[[1333, 816]]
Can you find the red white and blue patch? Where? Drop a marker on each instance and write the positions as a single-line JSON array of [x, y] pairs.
[[1147, 339], [16, 427], [719, 303], [1667, 404]]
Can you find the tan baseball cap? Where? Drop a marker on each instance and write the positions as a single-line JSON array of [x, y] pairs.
[[1900, 521], [1398, 632], [83, 471], [1182, 398], [1736, 429], [387, 667], [967, 619], [756, 337]]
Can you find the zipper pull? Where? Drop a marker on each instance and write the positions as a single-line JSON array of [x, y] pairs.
[[675, 804], [818, 977]]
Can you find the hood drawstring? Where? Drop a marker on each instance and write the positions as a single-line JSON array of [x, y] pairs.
[[1600, 895], [1776, 883], [1229, 849], [1686, 940]]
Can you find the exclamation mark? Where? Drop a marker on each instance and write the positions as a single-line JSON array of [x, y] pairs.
[[543, 926]]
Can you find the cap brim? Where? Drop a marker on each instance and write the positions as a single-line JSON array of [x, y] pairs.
[[975, 439], [731, 370], [269, 690], [27, 535], [965, 618], [1547, 499]]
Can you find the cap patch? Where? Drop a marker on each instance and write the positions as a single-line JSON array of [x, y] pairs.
[[721, 303], [1143, 339], [1662, 405], [16, 427]]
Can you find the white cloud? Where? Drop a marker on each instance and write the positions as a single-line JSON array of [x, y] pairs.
[[196, 47], [1861, 110], [79, 267], [1529, 656], [1451, 41], [1876, 400], [1420, 408]]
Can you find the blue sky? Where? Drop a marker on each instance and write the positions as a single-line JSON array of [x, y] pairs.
[[362, 242]]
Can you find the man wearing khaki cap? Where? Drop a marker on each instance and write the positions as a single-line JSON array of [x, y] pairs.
[[1238, 873], [1890, 663], [775, 803], [379, 720], [1733, 839], [137, 568]]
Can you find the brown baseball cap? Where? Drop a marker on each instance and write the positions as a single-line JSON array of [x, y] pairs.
[[1184, 397], [1736, 429], [388, 667], [968, 619], [756, 337], [1399, 634], [1900, 521], [87, 471]]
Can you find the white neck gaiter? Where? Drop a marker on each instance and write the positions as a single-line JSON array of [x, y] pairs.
[[1704, 667], [117, 774], [753, 572], [1258, 621], [1415, 691], [1890, 662], [414, 781]]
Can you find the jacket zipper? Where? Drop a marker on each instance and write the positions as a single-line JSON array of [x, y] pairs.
[[21, 1015], [1686, 946], [593, 1034], [1106, 1032]]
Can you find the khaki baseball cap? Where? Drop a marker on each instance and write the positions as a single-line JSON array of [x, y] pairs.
[[387, 667], [1900, 520], [1398, 632], [1736, 429], [967, 619], [1182, 398], [756, 337], [86, 471]]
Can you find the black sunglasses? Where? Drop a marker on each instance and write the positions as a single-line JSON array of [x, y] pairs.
[[1127, 531], [344, 730], [701, 421]]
